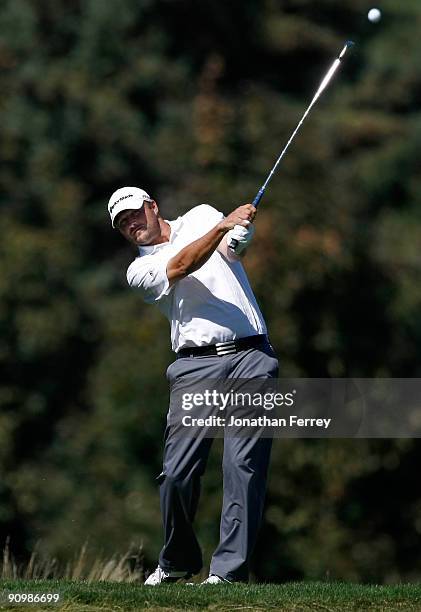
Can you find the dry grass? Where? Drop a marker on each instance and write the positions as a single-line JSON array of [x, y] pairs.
[[84, 566]]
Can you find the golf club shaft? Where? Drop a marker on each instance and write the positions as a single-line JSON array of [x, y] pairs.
[[326, 79]]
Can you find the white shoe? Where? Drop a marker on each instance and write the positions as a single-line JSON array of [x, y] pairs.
[[160, 576], [214, 579]]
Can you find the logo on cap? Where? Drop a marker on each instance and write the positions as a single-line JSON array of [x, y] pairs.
[[130, 195]]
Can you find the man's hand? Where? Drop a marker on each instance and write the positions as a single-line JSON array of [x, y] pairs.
[[242, 236], [195, 254], [243, 215]]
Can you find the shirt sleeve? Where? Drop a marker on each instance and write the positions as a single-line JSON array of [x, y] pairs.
[[203, 218], [149, 274]]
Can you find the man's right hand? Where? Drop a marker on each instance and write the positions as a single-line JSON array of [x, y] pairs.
[[195, 254], [243, 215]]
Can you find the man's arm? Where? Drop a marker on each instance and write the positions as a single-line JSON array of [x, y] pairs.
[[194, 255]]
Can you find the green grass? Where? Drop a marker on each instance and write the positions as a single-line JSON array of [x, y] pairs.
[[328, 596]]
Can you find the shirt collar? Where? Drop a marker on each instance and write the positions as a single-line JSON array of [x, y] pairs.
[[175, 228]]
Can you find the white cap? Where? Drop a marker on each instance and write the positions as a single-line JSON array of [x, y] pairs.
[[126, 198]]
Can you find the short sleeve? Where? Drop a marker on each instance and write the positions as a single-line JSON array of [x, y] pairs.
[[149, 274], [204, 217]]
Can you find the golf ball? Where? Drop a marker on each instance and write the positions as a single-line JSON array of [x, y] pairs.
[[374, 15]]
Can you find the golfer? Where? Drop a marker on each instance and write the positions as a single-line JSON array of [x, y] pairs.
[[186, 268]]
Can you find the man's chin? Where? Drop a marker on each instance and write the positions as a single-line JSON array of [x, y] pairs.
[[141, 240]]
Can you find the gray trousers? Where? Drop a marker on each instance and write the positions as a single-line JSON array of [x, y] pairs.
[[245, 466]]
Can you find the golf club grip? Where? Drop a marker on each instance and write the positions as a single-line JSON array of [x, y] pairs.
[[258, 197], [233, 243]]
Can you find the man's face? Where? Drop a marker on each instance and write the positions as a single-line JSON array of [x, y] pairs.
[[141, 227]]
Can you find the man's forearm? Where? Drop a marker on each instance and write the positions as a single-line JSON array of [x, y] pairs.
[[194, 255]]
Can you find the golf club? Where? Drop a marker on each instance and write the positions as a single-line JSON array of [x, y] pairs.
[[327, 78]]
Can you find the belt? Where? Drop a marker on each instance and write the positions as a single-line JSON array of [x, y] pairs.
[[224, 348]]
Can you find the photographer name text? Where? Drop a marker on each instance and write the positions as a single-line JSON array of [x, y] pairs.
[[261, 421]]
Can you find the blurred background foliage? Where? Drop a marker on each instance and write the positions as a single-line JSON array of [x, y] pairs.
[[193, 101]]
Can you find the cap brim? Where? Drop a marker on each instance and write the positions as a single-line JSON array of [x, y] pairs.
[[122, 206]]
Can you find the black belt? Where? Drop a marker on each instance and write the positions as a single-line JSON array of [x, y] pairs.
[[224, 348]]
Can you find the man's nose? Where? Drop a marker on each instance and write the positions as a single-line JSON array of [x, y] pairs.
[[132, 221]]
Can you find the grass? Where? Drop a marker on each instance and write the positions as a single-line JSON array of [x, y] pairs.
[[83, 596], [91, 584], [84, 566]]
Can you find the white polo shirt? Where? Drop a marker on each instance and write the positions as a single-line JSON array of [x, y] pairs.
[[213, 304]]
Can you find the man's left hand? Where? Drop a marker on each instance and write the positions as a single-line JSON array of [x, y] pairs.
[[243, 236]]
